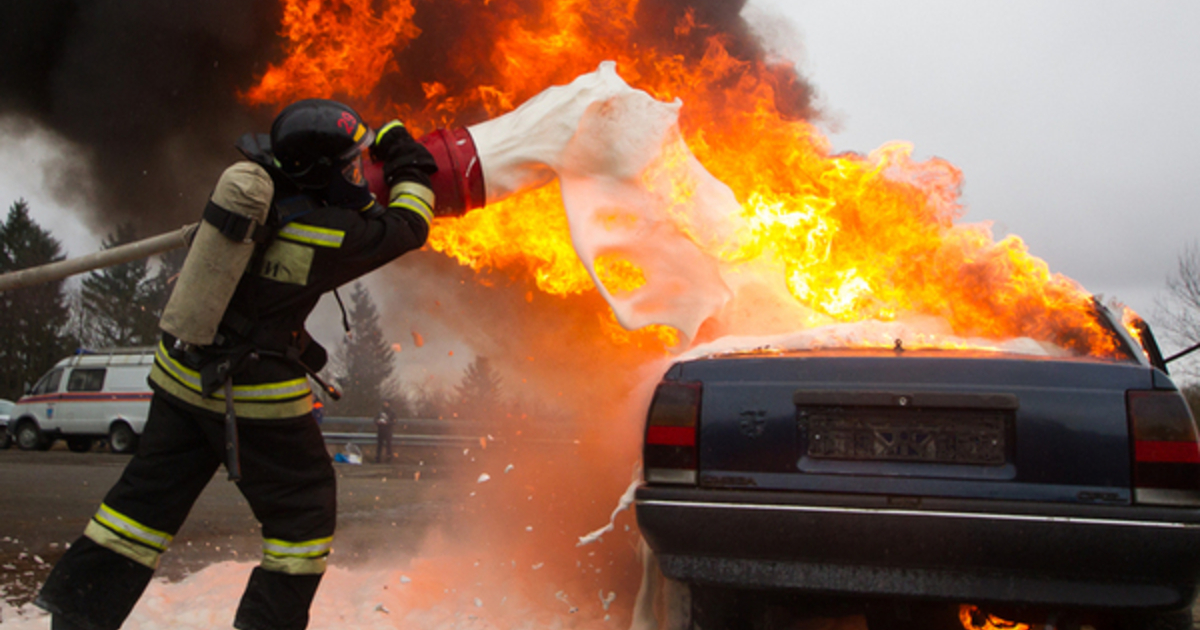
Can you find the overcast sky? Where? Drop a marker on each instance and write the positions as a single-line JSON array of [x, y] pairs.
[[1076, 123]]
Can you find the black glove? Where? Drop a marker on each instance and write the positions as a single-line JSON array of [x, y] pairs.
[[404, 159]]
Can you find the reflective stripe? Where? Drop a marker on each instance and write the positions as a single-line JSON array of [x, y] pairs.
[[119, 522], [386, 128], [312, 235], [108, 539], [259, 392], [278, 409], [415, 197], [306, 549], [121, 534], [413, 189], [296, 558], [416, 205]]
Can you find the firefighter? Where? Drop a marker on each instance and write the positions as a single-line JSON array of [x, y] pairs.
[[292, 222]]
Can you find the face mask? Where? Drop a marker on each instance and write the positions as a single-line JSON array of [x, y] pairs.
[[349, 189]]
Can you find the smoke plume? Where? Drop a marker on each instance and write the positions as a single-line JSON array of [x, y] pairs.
[[148, 92]]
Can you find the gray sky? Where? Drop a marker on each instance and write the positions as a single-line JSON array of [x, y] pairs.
[[1076, 123]]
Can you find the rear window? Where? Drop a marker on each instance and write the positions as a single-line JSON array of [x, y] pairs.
[[86, 380]]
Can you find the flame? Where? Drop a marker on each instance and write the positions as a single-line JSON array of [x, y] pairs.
[[858, 237], [974, 619]]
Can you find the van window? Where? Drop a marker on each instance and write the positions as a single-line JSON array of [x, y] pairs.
[[86, 380], [49, 383]]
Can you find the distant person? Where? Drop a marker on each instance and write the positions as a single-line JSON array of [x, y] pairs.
[[383, 433]]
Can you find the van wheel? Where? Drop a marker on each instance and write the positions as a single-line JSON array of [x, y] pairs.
[[79, 444], [30, 438], [122, 439]]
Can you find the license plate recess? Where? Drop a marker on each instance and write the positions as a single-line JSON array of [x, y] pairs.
[[929, 427]]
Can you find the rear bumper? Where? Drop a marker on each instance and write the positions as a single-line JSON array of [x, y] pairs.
[[976, 551]]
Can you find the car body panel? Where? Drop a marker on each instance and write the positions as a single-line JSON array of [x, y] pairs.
[[1048, 517]]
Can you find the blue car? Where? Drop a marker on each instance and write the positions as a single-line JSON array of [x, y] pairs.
[[930, 485]]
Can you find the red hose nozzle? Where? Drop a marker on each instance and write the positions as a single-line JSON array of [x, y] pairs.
[[458, 182]]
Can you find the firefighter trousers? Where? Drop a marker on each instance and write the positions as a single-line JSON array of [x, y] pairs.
[[287, 478]]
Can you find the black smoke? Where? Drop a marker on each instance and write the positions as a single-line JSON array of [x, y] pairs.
[[147, 90]]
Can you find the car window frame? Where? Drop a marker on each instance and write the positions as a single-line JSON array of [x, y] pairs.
[[44, 386]]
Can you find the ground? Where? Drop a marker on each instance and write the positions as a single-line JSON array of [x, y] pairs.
[[49, 497]]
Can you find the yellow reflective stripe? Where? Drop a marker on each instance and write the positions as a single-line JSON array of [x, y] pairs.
[[131, 528], [244, 409], [296, 558], [271, 391], [359, 133], [108, 539], [248, 393], [312, 235], [386, 128], [189, 377], [413, 189], [306, 549], [416, 206], [294, 566]]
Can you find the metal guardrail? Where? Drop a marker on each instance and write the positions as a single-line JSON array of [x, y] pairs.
[[457, 433], [401, 439]]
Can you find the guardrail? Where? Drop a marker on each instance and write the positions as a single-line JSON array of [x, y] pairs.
[[406, 432]]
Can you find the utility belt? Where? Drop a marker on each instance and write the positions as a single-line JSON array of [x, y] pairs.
[[241, 343]]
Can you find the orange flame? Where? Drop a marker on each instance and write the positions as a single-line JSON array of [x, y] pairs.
[[859, 237], [974, 619]]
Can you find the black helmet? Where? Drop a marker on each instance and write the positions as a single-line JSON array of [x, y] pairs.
[[315, 139]]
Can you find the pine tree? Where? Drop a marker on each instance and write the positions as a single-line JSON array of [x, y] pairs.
[[122, 303], [479, 391], [366, 360], [32, 328]]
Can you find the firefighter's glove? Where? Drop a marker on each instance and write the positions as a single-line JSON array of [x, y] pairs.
[[404, 159]]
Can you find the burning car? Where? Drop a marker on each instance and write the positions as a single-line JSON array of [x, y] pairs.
[[1049, 489]]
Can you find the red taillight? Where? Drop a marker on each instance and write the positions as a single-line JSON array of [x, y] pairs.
[[1166, 449], [670, 452]]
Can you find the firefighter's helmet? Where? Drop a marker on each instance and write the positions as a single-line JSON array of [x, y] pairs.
[[316, 139]]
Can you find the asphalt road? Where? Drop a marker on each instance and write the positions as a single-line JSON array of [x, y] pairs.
[[46, 499]]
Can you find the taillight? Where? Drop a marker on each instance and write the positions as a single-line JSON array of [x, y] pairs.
[[670, 451], [1166, 449]]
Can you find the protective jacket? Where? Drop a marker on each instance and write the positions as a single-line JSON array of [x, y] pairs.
[[312, 249]]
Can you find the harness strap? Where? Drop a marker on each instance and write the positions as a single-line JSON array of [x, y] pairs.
[[234, 226]]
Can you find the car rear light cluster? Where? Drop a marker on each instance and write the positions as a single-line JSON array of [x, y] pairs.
[[670, 446], [1166, 449]]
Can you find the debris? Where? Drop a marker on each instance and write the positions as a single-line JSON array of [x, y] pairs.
[[508, 469], [478, 603], [404, 579], [538, 566], [483, 477], [607, 601], [383, 609]]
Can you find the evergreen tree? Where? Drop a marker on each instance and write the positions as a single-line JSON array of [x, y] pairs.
[[34, 318], [366, 360], [122, 303], [479, 391]]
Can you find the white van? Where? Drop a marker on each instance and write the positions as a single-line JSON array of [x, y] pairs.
[[85, 398]]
